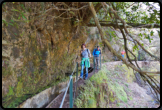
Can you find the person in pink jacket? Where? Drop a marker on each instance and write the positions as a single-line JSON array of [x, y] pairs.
[[122, 53]]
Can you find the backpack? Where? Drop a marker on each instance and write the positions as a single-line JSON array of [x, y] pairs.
[[98, 50], [81, 54]]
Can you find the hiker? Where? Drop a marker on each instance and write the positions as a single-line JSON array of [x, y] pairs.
[[85, 54], [122, 53], [96, 53]]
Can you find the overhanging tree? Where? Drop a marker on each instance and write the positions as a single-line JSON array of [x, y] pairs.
[[116, 15]]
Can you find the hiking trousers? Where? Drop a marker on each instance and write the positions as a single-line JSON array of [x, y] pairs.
[[82, 70], [96, 61], [122, 56]]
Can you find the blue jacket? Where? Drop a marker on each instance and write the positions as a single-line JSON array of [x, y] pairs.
[[96, 52]]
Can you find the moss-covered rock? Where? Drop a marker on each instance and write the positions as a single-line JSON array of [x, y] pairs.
[[40, 50], [39, 53]]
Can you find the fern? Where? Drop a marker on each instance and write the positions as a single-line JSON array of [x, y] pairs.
[[5, 22], [10, 91]]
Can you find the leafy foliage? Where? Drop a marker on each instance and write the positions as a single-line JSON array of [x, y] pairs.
[[134, 13]]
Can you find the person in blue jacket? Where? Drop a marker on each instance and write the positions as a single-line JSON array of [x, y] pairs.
[[96, 53]]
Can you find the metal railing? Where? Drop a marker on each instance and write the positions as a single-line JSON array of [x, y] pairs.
[[71, 99], [71, 90]]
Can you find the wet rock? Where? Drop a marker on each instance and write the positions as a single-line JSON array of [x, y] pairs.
[[15, 52], [30, 67], [139, 80]]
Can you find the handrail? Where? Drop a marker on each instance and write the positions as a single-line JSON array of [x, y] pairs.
[[66, 89], [72, 80], [65, 93]]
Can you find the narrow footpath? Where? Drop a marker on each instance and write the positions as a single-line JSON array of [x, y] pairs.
[[141, 96], [57, 101]]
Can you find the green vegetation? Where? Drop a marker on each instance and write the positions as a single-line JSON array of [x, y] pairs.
[[104, 87], [6, 72], [19, 89], [10, 93], [119, 90], [44, 70], [129, 72], [17, 101], [13, 101], [130, 98], [99, 90]]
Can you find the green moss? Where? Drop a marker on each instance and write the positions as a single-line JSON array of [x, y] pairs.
[[17, 101], [6, 72], [111, 97], [119, 90], [99, 77], [11, 92], [12, 101], [130, 98], [116, 86], [102, 100], [8, 97], [19, 89], [92, 103], [93, 92], [129, 73]]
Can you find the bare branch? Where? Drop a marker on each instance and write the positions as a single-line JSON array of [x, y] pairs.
[[144, 48], [124, 26], [129, 25], [130, 5], [109, 45]]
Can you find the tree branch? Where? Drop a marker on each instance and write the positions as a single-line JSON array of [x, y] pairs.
[[109, 45], [90, 15], [130, 25], [144, 48], [124, 25], [125, 42], [142, 73]]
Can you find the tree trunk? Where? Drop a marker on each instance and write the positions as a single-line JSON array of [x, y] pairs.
[[109, 45]]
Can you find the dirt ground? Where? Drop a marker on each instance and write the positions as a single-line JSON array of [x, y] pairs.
[[138, 97]]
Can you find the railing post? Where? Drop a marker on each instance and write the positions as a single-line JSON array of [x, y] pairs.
[[71, 92], [77, 72], [94, 63], [76, 82]]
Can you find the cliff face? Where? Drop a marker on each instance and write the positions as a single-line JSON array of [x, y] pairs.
[[39, 52], [40, 47]]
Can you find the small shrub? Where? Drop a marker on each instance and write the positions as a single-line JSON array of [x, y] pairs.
[[11, 92]]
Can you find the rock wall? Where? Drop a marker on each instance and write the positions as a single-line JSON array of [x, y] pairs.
[[38, 53], [38, 49]]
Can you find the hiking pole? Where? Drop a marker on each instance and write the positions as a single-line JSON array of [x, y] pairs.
[[100, 61], [94, 63]]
